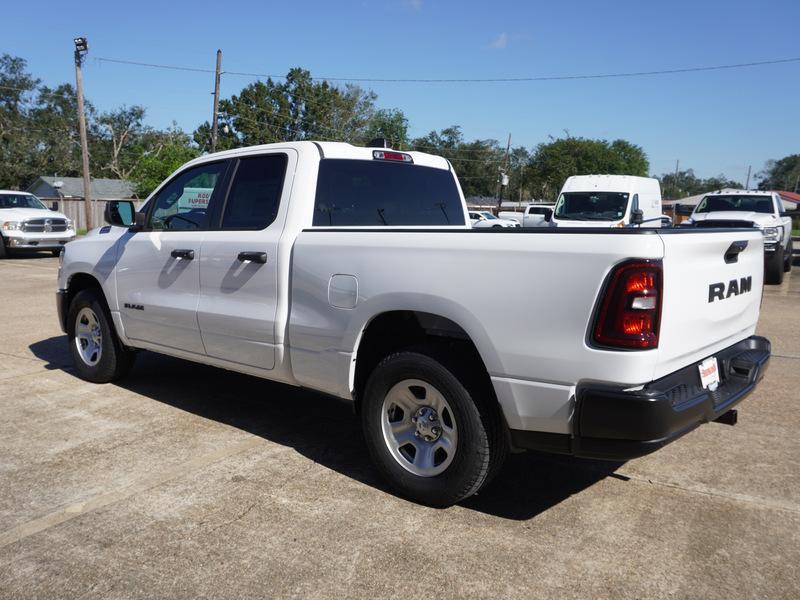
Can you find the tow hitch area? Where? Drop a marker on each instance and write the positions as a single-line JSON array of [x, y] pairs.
[[729, 418]]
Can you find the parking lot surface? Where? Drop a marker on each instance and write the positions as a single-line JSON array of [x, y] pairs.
[[189, 481]]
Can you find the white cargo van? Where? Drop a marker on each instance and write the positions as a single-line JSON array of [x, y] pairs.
[[607, 201]]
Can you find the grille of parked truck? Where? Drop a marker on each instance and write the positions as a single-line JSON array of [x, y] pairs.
[[353, 271], [26, 225]]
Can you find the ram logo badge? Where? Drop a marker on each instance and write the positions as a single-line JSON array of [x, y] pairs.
[[134, 306], [719, 291]]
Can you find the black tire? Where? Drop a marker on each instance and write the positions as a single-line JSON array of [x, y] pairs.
[[481, 445], [787, 260], [3, 252], [774, 268], [497, 226], [56, 252], [114, 360]]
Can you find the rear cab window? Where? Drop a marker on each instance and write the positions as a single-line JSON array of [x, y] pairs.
[[374, 193]]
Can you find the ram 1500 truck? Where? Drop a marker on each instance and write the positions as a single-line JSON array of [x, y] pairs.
[[26, 224], [352, 271], [751, 208]]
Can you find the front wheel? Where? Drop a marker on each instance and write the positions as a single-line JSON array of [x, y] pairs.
[[435, 439], [774, 268], [96, 350], [3, 252]]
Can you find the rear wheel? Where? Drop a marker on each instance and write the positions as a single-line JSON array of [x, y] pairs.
[[3, 252], [435, 439], [787, 260], [96, 350], [774, 268]]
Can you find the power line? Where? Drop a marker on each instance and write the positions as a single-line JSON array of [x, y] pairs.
[[473, 80]]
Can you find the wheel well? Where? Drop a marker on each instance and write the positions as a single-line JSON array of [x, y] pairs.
[[80, 282], [403, 329]]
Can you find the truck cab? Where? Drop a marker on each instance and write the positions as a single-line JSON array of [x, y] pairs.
[[608, 201], [751, 208]]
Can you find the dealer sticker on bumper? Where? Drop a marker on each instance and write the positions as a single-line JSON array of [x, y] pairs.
[[709, 373]]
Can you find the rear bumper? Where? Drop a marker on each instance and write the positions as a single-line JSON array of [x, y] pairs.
[[610, 423]]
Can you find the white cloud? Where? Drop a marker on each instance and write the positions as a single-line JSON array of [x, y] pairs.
[[500, 42], [414, 4]]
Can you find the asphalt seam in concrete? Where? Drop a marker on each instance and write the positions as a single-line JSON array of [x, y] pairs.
[[71, 511]]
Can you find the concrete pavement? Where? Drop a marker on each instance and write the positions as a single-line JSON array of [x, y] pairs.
[[189, 481]]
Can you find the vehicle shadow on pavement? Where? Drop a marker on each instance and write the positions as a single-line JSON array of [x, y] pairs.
[[324, 429]]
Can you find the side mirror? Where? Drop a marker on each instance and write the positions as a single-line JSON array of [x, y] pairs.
[[119, 213], [548, 215], [637, 216], [54, 206]]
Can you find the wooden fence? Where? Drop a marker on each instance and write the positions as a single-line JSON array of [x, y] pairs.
[[75, 209]]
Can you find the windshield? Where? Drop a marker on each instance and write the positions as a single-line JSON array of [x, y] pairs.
[[591, 206], [20, 201], [761, 204], [488, 215]]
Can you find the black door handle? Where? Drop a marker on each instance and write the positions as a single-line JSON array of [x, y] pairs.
[[732, 254], [182, 253], [256, 257]]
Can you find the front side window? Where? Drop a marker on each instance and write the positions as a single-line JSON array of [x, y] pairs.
[[591, 206], [743, 202], [489, 216], [183, 204], [380, 193], [255, 193], [20, 201]]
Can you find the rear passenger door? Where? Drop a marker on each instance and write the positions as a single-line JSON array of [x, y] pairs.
[[239, 270]]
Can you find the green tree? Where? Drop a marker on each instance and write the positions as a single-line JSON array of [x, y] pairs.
[[174, 149], [296, 109], [553, 162], [390, 124], [685, 183], [782, 174]]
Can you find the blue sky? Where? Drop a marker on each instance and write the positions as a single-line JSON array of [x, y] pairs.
[[714, 122]]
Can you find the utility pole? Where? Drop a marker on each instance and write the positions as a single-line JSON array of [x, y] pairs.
[[677, 165], [215, 119], [747, 185], [503, 180], [81, 48]]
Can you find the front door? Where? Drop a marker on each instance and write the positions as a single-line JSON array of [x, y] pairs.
[[239, 266], [158, 269]]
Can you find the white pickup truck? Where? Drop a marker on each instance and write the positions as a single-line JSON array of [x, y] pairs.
[[751, 208], [352, 271], [26, 225], [533, 215]]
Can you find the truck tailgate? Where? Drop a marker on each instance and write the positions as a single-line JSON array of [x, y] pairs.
[[712, 293]]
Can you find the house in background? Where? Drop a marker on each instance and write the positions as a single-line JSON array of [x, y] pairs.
[[72, 188], [69, 196]]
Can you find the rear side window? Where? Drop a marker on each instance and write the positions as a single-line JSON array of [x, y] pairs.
[[378, 194], [255, 193]]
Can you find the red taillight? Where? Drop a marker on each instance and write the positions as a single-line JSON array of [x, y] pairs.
[[630, 313]]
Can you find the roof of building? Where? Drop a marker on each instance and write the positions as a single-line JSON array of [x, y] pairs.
[[102, 189]]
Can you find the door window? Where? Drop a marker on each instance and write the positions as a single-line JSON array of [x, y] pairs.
[[255, 194], [183, 204]]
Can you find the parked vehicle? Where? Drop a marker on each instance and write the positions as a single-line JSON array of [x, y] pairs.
[[534, 215], [483, 219], [27, 225], [354, 271], [608, 201], [751, 208]]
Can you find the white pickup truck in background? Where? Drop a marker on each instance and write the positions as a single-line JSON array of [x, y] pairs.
[[352, 271], [482, 219], [27, 225], [533, 215], [751, 208]]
